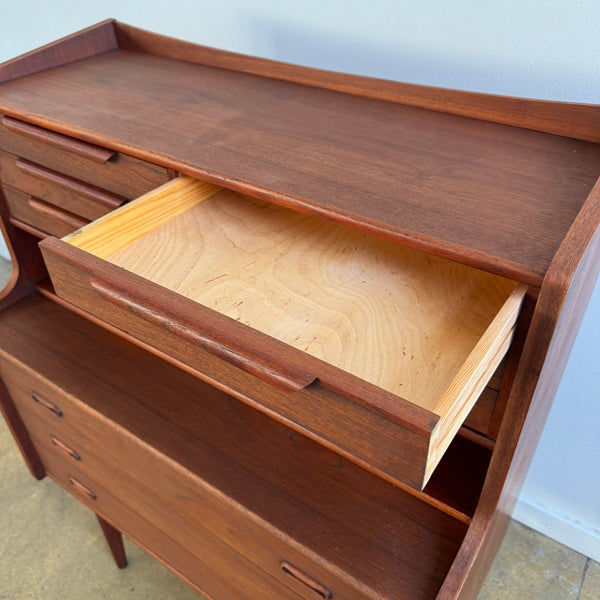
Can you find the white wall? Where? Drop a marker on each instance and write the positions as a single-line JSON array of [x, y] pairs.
[[534, 48]]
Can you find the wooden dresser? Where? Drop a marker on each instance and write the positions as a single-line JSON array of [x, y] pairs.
[[293, 332]]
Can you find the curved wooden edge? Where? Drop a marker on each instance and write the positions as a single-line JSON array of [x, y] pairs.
[[55, 213], [580, 121], [27, 265], [82, 44], [199, 330], [554, 326]]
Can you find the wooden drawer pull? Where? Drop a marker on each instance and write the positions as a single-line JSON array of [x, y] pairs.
[[58, 140], [82, 488], [55, 213], [46, 404], [196, 326], [75, 186], [65, 448], [304, 579]]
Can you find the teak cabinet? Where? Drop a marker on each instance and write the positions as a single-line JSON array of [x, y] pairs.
[[293, 332]]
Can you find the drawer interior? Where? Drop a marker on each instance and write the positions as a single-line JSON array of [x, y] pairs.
[[403, 320], [420, 327]]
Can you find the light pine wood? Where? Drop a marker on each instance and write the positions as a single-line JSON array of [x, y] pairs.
[[398, 318], [131, 221], [469, 382], [461, 395]]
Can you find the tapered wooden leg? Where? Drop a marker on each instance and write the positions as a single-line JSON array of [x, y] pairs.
[[115, 542]]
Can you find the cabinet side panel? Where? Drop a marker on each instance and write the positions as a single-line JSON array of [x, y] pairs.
[[560, 308], [17, 428]]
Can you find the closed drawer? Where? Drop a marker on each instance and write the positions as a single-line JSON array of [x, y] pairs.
[[375, 350], [45, 217], [214, 569], [198, 463], [67, 193], [109, 170], [173, 499]]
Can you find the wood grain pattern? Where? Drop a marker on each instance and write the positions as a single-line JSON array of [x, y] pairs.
[[42, 215], [89, 202], [496, 197], [134, 220], [57, 140], [431, 169], [207, 568], [122, 174], [581, 121], [375, 309], [554, 325], [326, 503], [87, 42], [336, 404], [94, 194], [421, 328]]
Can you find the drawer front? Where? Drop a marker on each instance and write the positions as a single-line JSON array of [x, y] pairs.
[[43, 216], [67, 193], [341, 424], [213, 568], [112, 171], [162, 492], [240, 291]]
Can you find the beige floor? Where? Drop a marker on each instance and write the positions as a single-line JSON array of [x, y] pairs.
[[51, 548]]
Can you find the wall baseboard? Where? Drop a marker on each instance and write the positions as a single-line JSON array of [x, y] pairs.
[[562, 528]]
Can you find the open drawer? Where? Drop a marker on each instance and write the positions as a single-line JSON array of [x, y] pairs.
[[376, 350]]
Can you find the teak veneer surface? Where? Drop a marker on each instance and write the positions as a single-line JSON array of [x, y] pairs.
[[324, 502], [499, 197]]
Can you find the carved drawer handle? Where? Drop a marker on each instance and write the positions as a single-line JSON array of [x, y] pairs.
[[82, 488], [75, 186], [55, 213], [58, 140], [65, 448], [264, 364], [46, 404], [306, 580]]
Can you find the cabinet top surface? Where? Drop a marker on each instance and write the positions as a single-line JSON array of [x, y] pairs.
[[498, 197]]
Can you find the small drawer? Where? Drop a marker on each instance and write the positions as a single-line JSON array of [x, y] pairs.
[[43, 216], [71, 195], [106, 169], [376, 350], [208, 568]]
